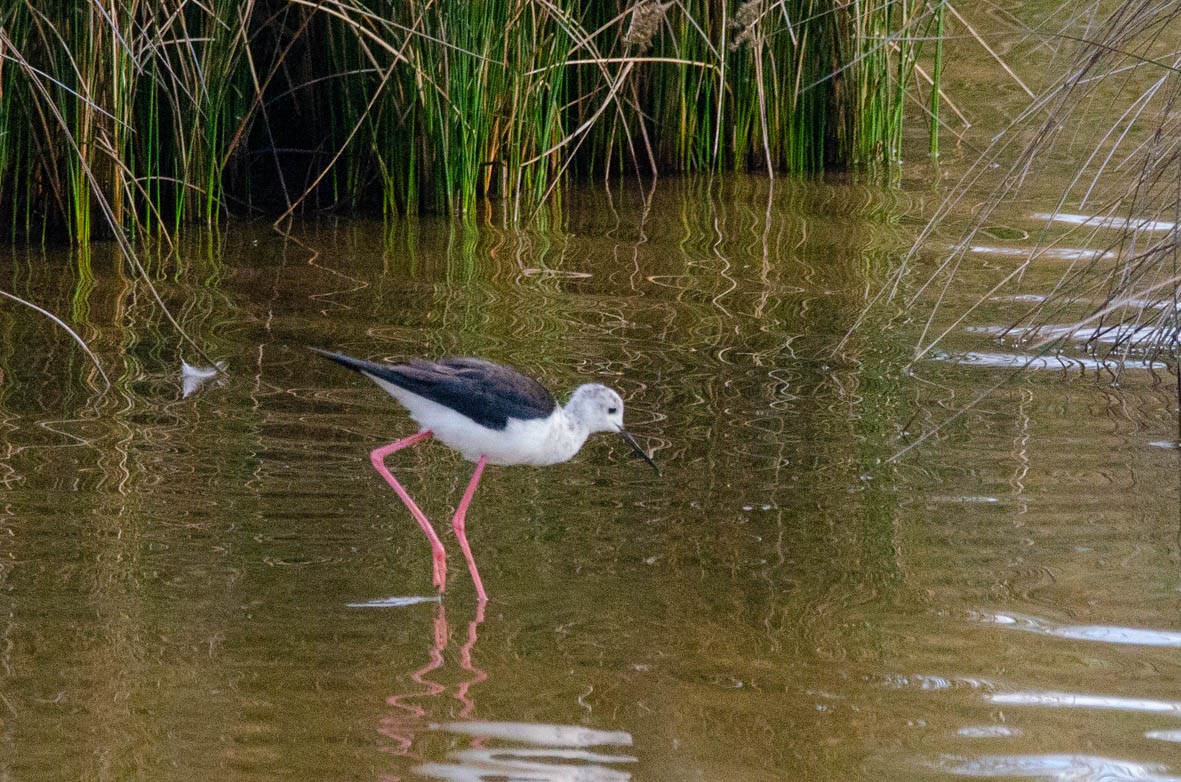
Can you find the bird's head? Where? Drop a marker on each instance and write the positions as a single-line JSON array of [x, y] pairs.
[[600, 409]]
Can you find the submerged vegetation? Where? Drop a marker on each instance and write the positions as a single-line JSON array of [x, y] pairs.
[[130, 116]]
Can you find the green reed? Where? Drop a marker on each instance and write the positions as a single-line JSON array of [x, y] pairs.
[[126, 102], [166, 113], [937, 71]]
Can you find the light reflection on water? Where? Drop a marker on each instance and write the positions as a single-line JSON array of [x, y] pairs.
[[1173, 736], [1074, 767], [1042, 254], [988, 732], [528, 764], [1102, 633], [1135, 336], [1104, 221], [1035, 362], [195, 579], [549, 752], [1074, 700]]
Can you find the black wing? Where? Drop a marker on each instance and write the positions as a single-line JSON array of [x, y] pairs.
[[488, 393]]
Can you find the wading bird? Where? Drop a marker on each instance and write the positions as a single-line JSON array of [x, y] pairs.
[[492, 414]]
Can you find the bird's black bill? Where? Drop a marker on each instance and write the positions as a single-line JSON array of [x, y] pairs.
[[632, 442]]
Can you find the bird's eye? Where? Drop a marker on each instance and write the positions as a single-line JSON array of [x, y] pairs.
[[612, 410]]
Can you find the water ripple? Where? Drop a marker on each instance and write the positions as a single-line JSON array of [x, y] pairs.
[[551, 752], [1075, 768], [1079, 700], [543, 735], [1027, 361], [1112, 634], [1173, 736], [1102, 221], [1046, 253], [988, 732]]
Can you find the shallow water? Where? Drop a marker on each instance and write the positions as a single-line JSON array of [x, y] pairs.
[[217, 585]]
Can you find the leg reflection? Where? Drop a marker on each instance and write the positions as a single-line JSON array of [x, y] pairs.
[[444, 738], [410, 713]]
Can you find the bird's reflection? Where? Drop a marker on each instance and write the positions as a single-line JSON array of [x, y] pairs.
[[408, 717], [493, 749]]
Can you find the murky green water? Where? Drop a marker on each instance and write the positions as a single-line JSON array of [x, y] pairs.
[[191, 587]]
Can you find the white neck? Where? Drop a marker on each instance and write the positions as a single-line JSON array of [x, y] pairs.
[[569, 432], [565, 431]]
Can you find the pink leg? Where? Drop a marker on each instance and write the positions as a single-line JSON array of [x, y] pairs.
[[378, 457], [457, 524]]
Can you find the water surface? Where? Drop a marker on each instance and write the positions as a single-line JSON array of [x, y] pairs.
[[211, 581]]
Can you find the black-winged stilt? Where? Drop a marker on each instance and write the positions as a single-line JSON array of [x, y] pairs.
[[492, 414]]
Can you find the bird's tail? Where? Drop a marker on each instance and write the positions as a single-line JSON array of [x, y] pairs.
[[355, 364]]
